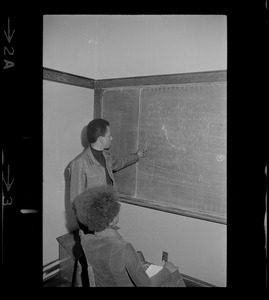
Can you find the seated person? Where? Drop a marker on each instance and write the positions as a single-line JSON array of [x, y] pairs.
[[114, 261]]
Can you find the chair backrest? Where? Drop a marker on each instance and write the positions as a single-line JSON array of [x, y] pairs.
[[91, 276], [84, 264], [71, 243], [84, 273]]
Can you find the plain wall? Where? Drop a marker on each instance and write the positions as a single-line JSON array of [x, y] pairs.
[[67, 110], [197, 247], [102, 47]]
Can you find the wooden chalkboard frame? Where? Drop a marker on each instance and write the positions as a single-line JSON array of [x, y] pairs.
[[100, 85], [151, 204], [160, 80], [67, 78]]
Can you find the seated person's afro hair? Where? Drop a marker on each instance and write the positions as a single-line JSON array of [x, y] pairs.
[[96, 207]]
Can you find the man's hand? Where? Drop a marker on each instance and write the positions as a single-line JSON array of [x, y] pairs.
[[141, 152]]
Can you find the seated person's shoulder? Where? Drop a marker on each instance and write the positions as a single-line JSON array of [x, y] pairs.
[[122, 245], [129, 249]]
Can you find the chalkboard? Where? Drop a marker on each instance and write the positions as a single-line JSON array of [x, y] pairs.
[[121, 109], [184, 128]]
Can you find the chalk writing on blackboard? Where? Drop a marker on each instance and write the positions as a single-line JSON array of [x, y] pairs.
[[183, 127], [186, 134], [168, 139]]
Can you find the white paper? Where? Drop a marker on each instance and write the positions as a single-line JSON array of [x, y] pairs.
[[153, 269]]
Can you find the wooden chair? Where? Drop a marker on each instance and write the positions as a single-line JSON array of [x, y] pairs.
[[73, 263]]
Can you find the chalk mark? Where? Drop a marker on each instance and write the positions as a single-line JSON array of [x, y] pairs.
[[168, 139]]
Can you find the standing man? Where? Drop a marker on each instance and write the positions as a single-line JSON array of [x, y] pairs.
[[95, 165]]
